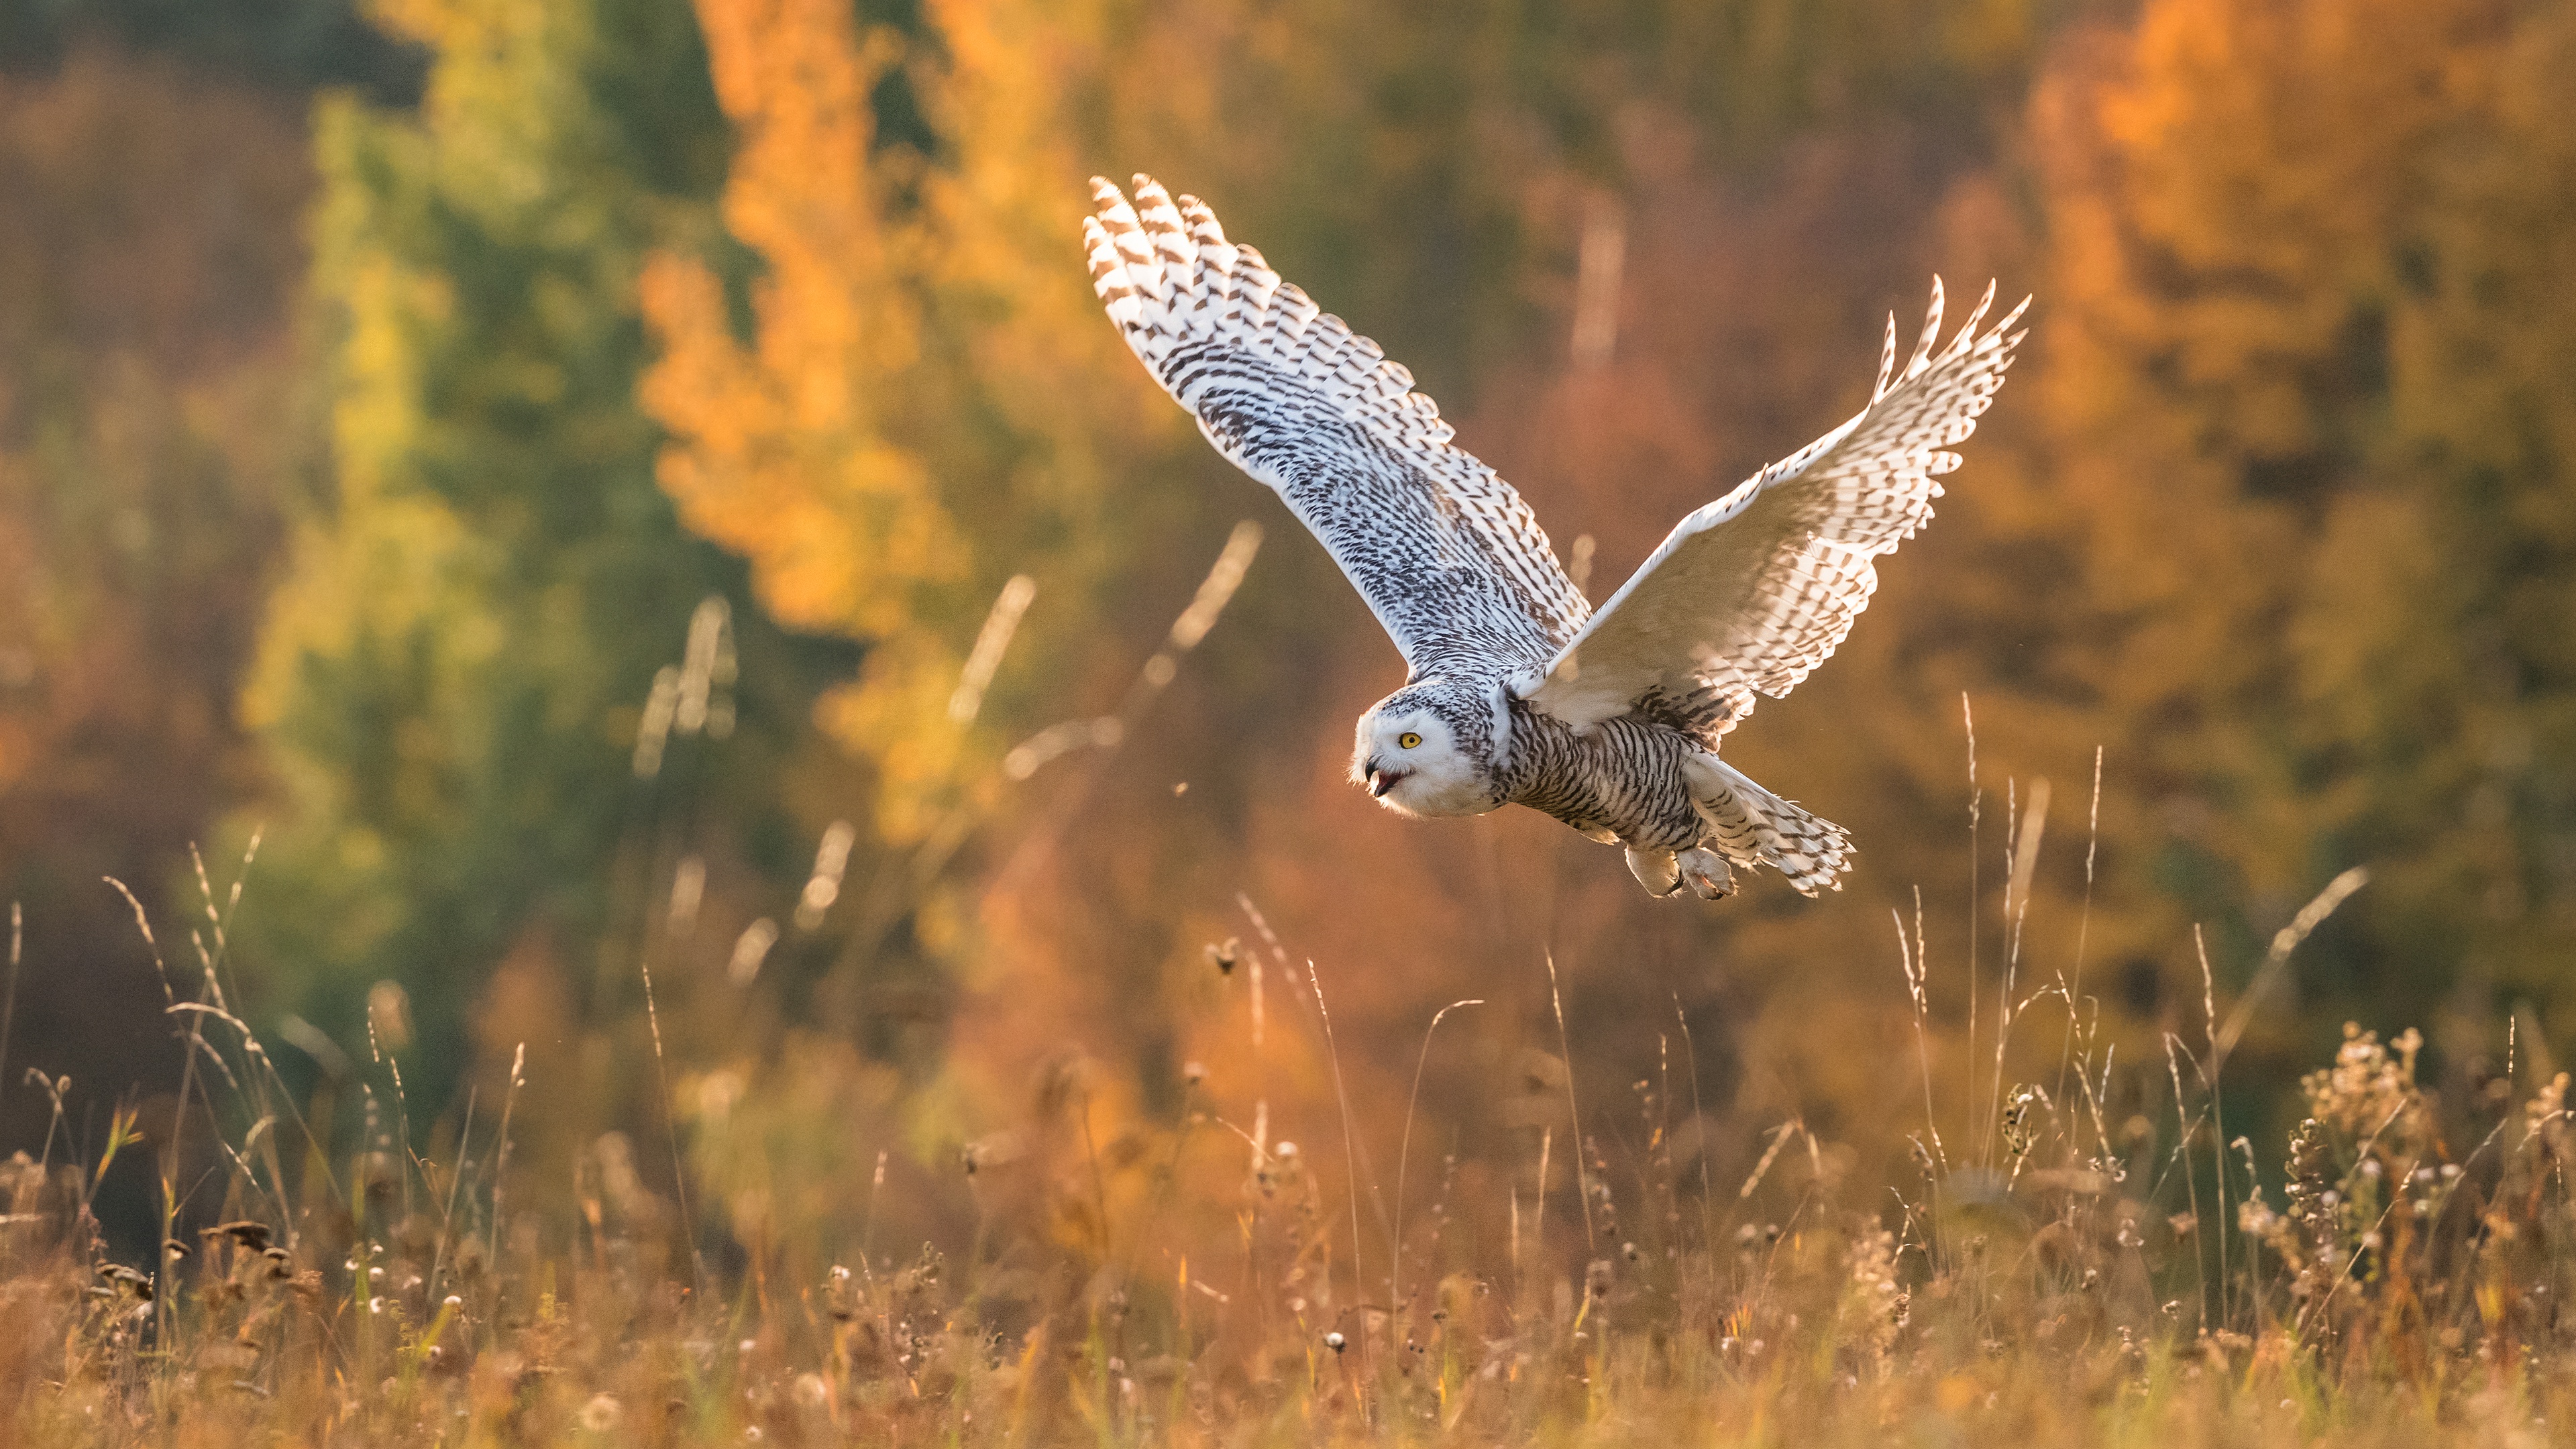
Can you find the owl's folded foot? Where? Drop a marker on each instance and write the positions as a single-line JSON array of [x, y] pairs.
[[1707, 874], [1656, 870]]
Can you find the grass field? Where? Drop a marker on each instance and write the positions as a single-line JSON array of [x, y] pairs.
[[2065, 1280]]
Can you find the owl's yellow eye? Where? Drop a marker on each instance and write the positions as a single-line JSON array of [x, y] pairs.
[[1408, 739]]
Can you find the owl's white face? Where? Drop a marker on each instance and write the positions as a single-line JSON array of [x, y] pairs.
[[1410, 760]]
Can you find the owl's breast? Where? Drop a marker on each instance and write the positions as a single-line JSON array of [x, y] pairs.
[[1619, 780]]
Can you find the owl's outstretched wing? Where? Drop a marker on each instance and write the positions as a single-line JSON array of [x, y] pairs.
[[1750, 593], [1445, 552]]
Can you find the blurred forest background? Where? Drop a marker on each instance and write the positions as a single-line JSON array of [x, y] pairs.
[[542, 470]]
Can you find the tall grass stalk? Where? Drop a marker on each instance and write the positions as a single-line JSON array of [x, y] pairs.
[[9, 999], [670, 1124], [1976, 904], [2217, 1108], [1564, 1044], [1350, 1139], [1404, 1152]]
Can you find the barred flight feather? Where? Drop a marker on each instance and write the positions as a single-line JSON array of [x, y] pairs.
[[1750, 593], [1446, 554]]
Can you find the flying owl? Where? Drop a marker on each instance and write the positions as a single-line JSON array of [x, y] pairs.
[[1518, 692]]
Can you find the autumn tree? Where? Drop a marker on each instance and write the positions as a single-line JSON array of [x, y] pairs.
[[504, 714], [2307, 308]]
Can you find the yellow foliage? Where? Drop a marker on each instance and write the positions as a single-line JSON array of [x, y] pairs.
[[782, 449], [898, 706], [895, 304], [2300, 289]]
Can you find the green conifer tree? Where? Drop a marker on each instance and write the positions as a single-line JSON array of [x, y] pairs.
[[456, 671]]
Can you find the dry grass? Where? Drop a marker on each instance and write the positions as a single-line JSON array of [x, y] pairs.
[[2070, 1274], [2068, 1284]]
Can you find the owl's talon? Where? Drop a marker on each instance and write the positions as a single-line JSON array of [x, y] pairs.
[[1707, 874], [1656, 870]]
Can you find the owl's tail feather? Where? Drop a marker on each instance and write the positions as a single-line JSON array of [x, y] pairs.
[[1751, 826]]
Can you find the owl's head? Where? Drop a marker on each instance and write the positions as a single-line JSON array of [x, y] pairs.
[[1428, 749]]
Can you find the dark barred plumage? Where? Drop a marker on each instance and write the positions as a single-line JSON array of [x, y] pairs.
[[1619, 781], [1517, 692]]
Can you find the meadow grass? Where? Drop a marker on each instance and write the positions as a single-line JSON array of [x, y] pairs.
[[2066, 1282], [2070, 1273]]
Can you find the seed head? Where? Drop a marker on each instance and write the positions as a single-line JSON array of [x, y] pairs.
[[249, 1232], [127, 1278]]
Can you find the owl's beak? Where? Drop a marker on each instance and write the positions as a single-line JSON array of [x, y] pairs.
[[1381, 779]]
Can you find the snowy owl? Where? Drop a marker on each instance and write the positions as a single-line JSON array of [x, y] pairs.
[[1517, 691]]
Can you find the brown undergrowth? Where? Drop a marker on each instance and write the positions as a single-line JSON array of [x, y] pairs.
[[2086, 1263], [2397, 1281]]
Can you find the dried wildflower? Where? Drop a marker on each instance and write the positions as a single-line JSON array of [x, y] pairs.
[[1335, 1341], [2545, 1118], [2019, 1137], [1875, 1307], [2369, 1092], [1225, 957], [601, 1414], [138, 1284], [249, 1232], [2308, 1163]]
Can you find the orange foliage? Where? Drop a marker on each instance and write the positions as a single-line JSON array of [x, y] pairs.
[[788, 449], [2258, 217], [895, 304], [783, 450]]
